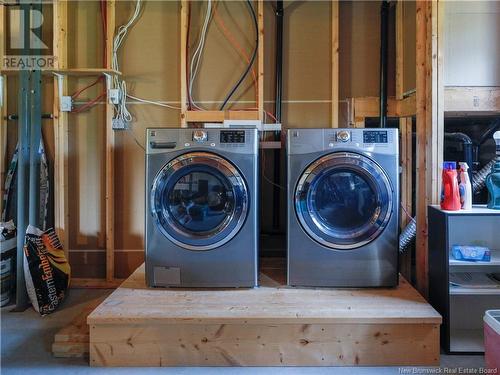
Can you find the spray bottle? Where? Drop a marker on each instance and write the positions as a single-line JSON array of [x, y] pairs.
[[465, 187], [493, 179], [450, 195]]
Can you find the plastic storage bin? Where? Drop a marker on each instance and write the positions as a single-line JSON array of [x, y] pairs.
[[7, 272], [492, 339]]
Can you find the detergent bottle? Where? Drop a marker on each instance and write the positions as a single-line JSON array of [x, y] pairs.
[[450, 196], [493, 179], [465, 187]]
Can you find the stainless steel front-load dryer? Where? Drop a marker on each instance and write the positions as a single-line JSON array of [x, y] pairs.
[[343, 199], [201, 207]]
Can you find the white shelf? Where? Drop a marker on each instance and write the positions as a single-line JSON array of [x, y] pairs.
[[466, 340]]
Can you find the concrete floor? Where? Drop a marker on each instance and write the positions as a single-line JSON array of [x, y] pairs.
[[26, 340]]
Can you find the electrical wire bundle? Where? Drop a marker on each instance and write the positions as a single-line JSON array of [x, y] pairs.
[[76, 94], [254, 54], [121, 111], [197, 55], [196, 58]]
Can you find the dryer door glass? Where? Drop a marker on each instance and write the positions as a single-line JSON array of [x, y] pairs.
[[343, 200], [199, 201]]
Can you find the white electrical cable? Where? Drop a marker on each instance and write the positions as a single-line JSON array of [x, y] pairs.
[[160, 104], [196, 58], [121, 111]]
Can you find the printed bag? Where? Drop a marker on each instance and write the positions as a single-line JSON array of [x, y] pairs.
[[46, 270]]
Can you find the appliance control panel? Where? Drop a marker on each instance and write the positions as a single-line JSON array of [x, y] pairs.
[[375, 136], [232, 136], [379, 140], [244, 141]]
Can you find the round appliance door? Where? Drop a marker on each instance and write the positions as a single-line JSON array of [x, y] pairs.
[[199, 201], [343, 200]]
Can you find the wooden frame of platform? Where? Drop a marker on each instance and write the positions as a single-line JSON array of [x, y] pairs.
[[272, 325]]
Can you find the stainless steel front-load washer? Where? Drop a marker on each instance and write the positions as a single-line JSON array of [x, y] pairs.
[[201, 207], [343, 207]]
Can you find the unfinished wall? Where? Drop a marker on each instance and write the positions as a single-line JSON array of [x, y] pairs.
[[471, 48], [150, 63]]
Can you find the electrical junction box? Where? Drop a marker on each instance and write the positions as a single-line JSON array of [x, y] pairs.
[[66, 103], [114, 96], [119, 124]]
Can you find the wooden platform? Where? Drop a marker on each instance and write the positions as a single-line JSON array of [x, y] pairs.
[[268, 326]]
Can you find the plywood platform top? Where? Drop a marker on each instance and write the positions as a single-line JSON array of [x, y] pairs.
[[134, 303]]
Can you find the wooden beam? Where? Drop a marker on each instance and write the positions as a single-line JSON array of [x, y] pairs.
[[472, 100], [95, 283], [399, 50], [430, 125], [260, 61], [184, 24], [3, 109], [110, 153], [458, 101], [220, 116], [60, 40], [405, 130], [368, 106], [335, 64]]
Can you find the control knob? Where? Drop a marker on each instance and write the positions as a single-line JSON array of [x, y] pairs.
[[200, 136], [343, 136]]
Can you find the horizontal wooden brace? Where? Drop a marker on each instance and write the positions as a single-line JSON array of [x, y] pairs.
[[220, 116], [95, 283]]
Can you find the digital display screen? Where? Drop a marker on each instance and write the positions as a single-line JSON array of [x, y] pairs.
[[232, 136], [375, 136]]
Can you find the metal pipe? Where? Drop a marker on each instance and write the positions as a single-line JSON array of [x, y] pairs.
[[35, 138], [23, 167], [384, 50], [278, 110], [35, 127], [14, 117]]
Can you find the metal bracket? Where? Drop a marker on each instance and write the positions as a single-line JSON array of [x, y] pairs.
[[109, 85], [1, 90], [65, 102]]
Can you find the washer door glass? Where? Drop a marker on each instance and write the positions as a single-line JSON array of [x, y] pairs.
[[343, 200], [199, 201]]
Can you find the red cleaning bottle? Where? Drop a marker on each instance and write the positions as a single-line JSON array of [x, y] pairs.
[[450, 193]]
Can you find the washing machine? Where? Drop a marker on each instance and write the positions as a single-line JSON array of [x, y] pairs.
[[343, 207], [201, 207]]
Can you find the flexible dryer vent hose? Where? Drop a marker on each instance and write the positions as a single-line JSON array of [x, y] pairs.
[[409, 232]]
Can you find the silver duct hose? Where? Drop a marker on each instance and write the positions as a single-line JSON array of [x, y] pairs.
[[409, 232], [407, 235], [480, 177]]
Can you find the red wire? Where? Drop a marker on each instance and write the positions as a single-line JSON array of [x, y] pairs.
[[104, 16], [89, 104], [77, 93], [230, 37]]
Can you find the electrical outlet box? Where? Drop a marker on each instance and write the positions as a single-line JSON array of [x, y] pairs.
[[119, 124], [114, 96], [66, 103]]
